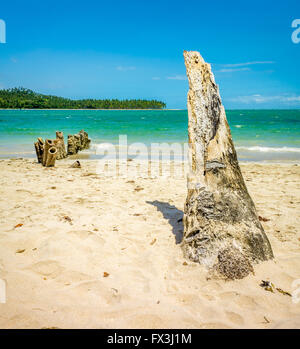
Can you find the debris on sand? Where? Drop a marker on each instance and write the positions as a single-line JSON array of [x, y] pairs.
[[76, 164], [263, 219], [153, 242], [20, 251], [269, 286]]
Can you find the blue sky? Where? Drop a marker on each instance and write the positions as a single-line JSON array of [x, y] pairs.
[[133, 49]]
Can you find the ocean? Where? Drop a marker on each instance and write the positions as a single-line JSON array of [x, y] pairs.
[[259, 135]]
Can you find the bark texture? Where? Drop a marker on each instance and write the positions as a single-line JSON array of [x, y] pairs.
[[221, 227], [47, 145], [51, 157], [77, 142], [39, 149], [60, 145]]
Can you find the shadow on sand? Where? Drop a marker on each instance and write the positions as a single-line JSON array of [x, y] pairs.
[[173, 215]]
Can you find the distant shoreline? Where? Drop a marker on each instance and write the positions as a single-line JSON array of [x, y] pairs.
[[166, 109], [83, 109], [19, 98]]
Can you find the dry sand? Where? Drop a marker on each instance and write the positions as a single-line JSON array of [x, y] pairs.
[[77, 225]]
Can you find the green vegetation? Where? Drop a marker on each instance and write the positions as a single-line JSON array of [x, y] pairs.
[[21, 98]]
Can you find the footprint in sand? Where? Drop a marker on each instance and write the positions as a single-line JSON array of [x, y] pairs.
[[229, 296], [172, 287], [72, 277], [235, 318], [86, 234], [246, 302], [50, 269], [138, 281], [242, 301], [98, 290], [209, 297], [189, 299]]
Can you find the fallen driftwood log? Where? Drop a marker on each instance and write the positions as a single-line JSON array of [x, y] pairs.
[[221, 227], [77, 142], [76, 164]]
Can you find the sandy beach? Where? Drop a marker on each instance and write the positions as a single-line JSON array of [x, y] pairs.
[[81, 250]]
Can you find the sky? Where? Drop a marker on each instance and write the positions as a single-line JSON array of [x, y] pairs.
[[134, 49]]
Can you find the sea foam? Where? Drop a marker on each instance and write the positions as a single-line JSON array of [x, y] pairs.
[[271, 149]]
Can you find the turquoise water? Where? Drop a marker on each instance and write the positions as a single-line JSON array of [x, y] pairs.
[[258, 134]]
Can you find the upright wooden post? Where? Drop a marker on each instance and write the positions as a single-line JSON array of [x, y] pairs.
[[60, 145], [51, 157], [48, 144], [221, 227], [39, 149]]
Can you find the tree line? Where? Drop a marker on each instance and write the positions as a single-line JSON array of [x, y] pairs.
[[22, 98]]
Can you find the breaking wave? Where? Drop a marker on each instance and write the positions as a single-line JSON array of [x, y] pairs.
[[271, 149]]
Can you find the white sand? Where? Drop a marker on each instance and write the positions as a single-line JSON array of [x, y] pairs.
[[57, 281]]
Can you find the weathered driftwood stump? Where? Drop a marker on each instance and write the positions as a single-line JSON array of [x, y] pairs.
[[60, 145], [51, 157], [221, 227], [77, 142], [84, 140], [47, 145], [39, 149], [71, 145]]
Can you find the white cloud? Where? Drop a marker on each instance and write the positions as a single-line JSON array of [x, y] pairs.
[[247, 63], [156, 78], [259, 99], [293, 99], [230, 70], [177, 77], [122, 68]]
